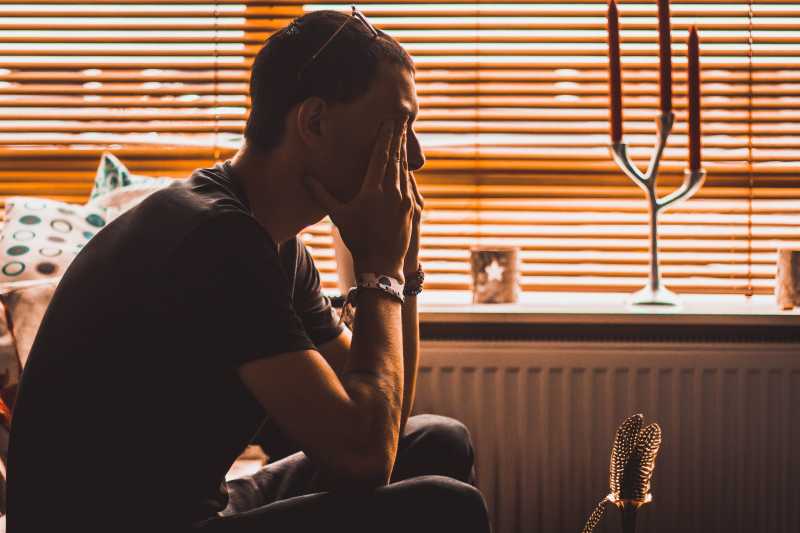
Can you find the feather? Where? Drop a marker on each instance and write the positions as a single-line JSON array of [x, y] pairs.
[[595, 517], [636, 478], [621, 452]]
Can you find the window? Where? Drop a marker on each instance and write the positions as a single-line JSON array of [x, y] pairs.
[[161, 84], [513, 119]]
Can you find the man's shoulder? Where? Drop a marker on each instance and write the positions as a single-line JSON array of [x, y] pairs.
[[206, 192], [204, 201], [223, 234], [214, 188]]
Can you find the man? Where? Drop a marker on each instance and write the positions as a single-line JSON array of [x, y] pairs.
[[198, 313]]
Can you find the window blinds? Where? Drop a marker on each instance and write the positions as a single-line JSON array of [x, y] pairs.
[[163, 85], [513, 120]]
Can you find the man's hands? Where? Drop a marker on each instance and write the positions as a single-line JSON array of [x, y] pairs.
[[411, 261], [377, 225]]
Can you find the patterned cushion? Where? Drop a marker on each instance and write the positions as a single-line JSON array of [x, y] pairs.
[[111, 174], [117, 190], [118, 201], [9, 360], [25, 307], [41, 237]]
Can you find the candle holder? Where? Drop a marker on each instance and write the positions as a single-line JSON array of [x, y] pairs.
[[654, 293], [495, 274]]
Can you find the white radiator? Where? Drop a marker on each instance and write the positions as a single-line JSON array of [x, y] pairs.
[[543, 414]]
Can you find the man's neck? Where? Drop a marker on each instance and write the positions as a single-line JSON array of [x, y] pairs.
[[274, 190]]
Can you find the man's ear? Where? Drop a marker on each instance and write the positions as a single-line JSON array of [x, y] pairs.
[[310, 115]]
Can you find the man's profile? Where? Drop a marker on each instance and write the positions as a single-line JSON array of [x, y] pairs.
[[208, 320]]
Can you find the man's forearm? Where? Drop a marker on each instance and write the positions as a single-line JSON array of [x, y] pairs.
[[410, 321], [373, 373]]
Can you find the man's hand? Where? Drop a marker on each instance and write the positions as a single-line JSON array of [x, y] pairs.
[[376, 224], [411, 261]]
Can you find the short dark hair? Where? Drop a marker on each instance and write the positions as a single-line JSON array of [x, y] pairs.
[[341, 73]]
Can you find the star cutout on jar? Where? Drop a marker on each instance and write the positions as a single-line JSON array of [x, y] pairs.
[[494, 271]]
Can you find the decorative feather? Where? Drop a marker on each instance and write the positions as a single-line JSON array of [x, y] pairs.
[[636, 478], [633, 458], [595, 517], [621, 452]]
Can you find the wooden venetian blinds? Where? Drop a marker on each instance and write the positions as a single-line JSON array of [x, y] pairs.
[[163, 85], [513, 120]]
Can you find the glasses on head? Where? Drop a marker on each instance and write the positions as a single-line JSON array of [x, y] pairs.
[[356, 14]]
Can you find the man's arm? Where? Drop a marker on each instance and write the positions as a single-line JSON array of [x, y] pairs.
[[348, 425], [410, 321], [336, 352]]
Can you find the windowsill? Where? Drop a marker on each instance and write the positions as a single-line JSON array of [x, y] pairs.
[[605, 308], [603, 317], [560, 316]]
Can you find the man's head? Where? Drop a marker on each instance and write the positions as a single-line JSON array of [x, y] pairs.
[[330, 116]]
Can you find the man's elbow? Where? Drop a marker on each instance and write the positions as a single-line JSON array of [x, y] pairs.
[[364, 471]]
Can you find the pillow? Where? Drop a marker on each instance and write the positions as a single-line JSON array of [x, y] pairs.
[[111, 174], [116, 189], [41, 237], [25, 307], [116, 202], [5, 434], [9, 360]]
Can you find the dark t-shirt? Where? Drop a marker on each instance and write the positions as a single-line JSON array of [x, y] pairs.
[[130, 410]]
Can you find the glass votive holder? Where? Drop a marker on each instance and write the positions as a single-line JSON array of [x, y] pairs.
[[787, 279], [495, 274]]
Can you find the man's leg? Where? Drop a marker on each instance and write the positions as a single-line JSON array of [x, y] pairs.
[[435, 445], [428, 504], [430, 445]]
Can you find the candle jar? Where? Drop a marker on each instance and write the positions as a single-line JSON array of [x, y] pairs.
[[787, 279], [495, 274]]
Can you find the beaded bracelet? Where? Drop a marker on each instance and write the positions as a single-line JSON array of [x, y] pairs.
[[413, 284]]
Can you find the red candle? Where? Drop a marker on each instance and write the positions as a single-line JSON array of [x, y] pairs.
[[665, 56], [694, 100], [614, 74]]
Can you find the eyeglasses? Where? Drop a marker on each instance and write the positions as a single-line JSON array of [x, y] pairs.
[[356, 14]]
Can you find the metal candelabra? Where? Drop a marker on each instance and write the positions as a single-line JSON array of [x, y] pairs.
[[654, 293]]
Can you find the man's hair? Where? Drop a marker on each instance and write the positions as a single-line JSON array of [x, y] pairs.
[[341, 73]]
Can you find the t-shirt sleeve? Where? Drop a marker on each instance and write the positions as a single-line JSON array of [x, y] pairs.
[[314, 308], [231, 289]]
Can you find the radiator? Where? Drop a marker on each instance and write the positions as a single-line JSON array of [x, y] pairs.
[[543, 414]]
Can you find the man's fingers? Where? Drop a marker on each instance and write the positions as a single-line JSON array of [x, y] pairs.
[[381, 153], [405, 190], [417, 194], [393, 168], [321, 195]]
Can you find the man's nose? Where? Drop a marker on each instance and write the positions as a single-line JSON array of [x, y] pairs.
[[416, 158]]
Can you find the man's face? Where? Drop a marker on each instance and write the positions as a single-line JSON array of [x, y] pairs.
[[354, 128]]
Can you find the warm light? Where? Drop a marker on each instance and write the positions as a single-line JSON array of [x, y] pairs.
[[514, 121]]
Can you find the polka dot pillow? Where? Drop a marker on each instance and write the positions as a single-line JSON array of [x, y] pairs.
[[113, 177], [41, 237]]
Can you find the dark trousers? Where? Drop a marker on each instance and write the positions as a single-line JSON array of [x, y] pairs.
[[431, 491]]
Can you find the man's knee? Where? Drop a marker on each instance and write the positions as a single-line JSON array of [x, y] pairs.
[[445, 433], [449, 504], [447, 438]]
